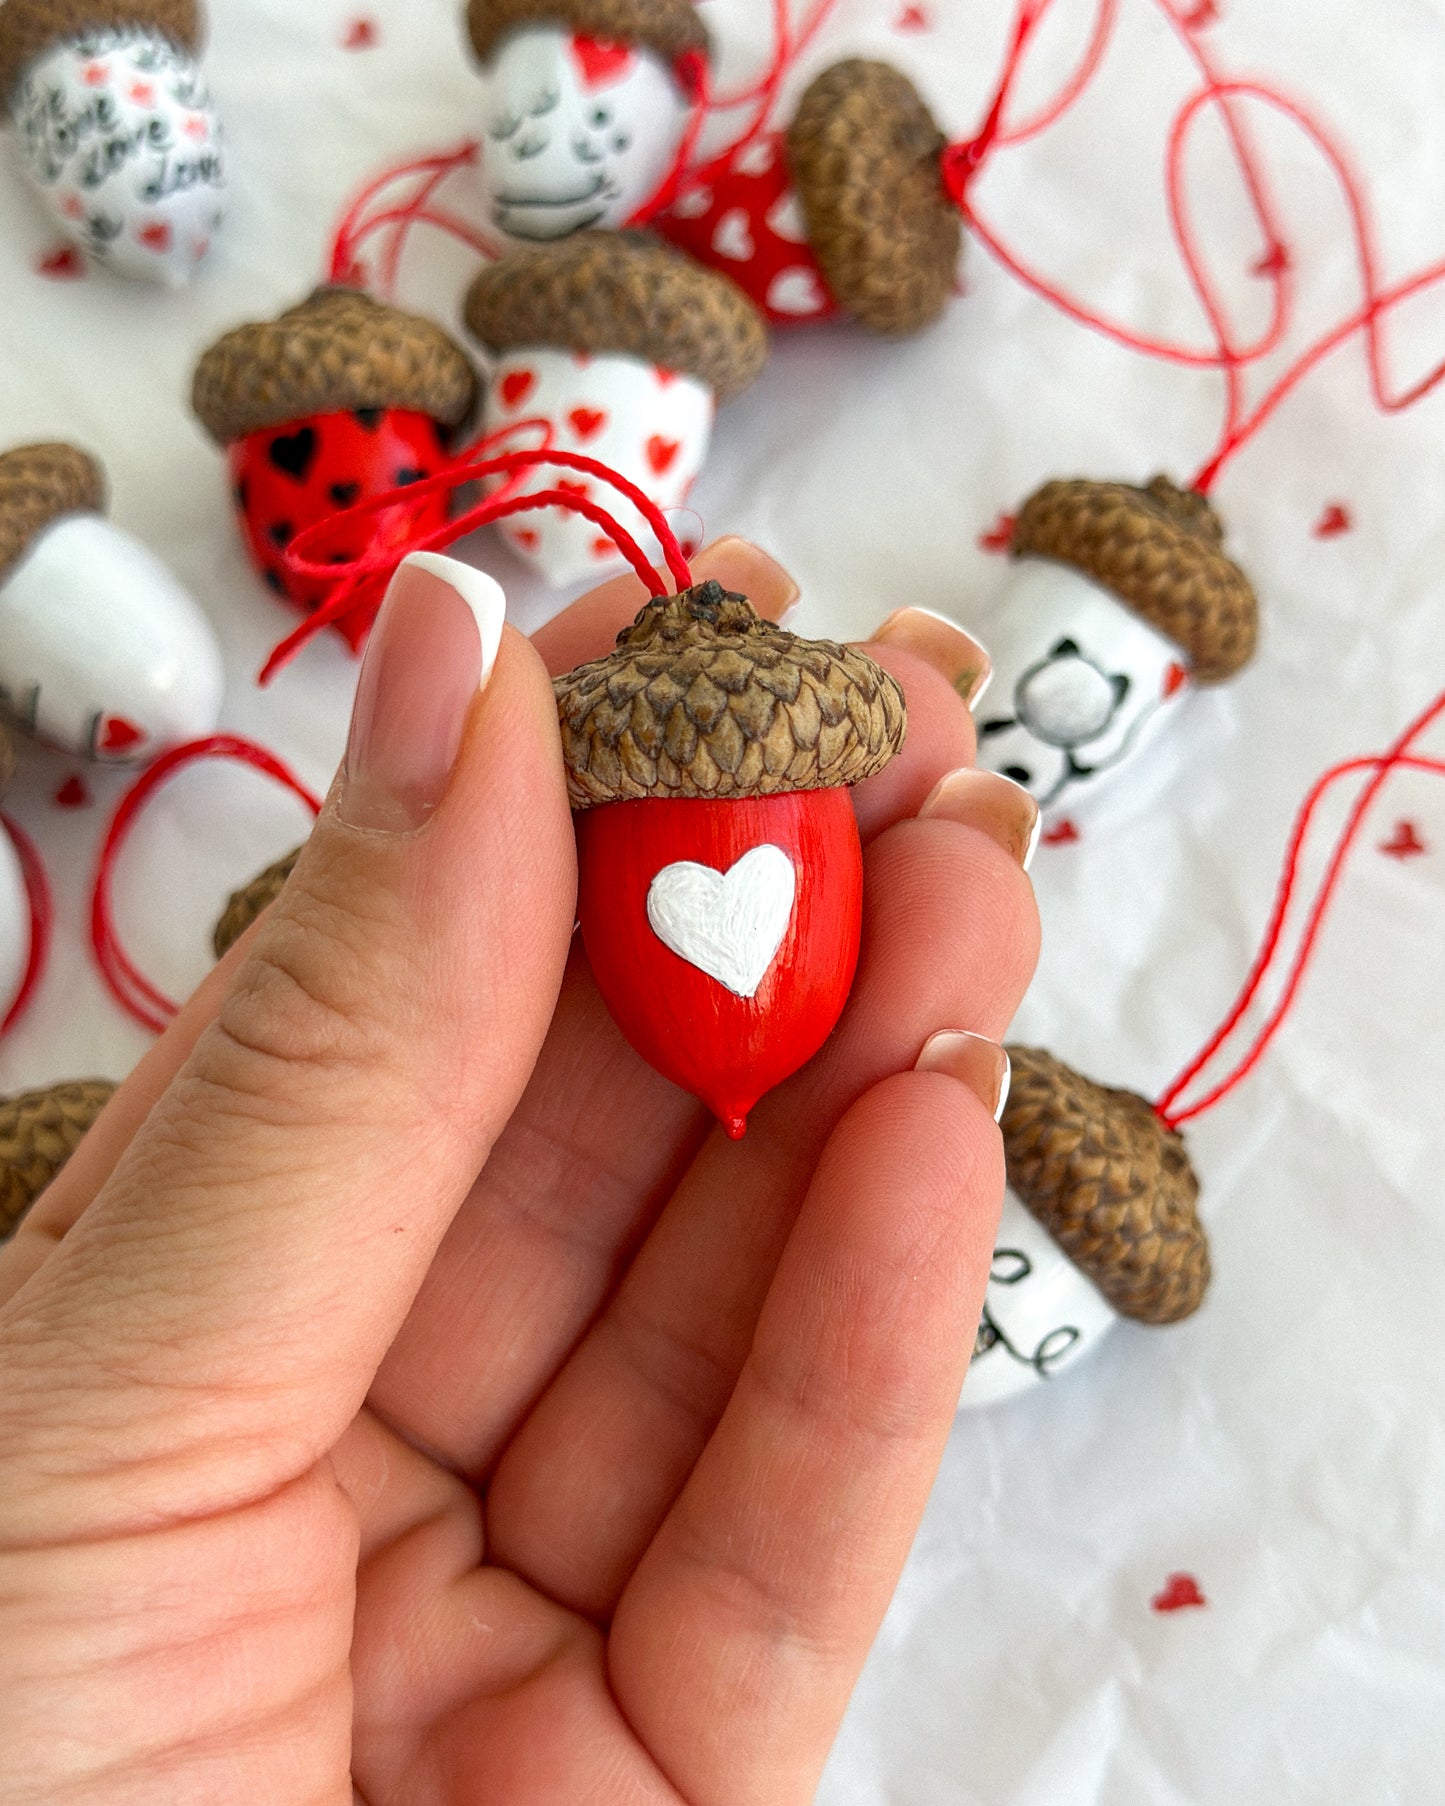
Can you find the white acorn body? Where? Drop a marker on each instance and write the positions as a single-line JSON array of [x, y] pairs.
[[14, 923], [1040, 1314], [1079, 681], [102, 652], [120, 138], [648, 424], [576, 133]]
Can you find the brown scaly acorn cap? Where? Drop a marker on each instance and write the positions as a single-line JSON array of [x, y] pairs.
[[1160, 549], [41, 484], [670, 27], [29, 27], [338, 350], [621, 292], [248, 902], [865, 155], [703, 698], [7, 759], [1110, 1183], [39, 1131]]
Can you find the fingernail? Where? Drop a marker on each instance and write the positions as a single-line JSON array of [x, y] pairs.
[[974, 1061], [430, 653], [740, 565], [995, 805], [944, 644]]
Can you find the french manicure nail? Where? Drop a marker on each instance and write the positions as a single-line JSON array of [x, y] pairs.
[[945, 646], [974, 1061], [431, 651], [993, 804]]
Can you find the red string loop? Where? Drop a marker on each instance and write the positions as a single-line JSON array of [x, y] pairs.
[[41, 909]]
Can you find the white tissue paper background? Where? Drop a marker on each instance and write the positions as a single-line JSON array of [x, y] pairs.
[[1286, 1448]]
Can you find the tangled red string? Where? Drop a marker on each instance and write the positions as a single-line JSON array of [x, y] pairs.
[[1381, 767], [42, 921], [132, 990]]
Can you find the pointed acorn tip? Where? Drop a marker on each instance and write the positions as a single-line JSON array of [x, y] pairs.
[[736, 1126]]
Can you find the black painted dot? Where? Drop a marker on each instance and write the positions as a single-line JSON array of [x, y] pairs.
[[344, 494], [370, 418], [281, 533], [293, 453], [409, 475], [273, 581], [1019, 773]]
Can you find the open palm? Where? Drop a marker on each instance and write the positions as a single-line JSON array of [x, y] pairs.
[[331, 1469]]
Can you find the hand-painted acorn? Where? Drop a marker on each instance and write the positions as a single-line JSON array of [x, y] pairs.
[[14, 900], [116, 127], [586, 107], [102, 653], [1121, 598], [339, 399], [624, 348], [1100, 1222], [846, 213], [720, 871], [39, 1131]]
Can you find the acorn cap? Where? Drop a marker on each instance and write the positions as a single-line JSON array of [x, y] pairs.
[[338, 350], [248, 903], [1160, 549], [7, 759], [621, 292], [29, 27], [865, 155], [39, 485], [703, 698], [1110, 1183], [670, 27], [39, 1131]]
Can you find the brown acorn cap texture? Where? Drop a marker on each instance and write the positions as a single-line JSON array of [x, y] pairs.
[[338, 350], [7, 759], [703, 698], [1160, 549], [28, 28], [670, 27], [39, 1131], [41, 484], [865, 155], [248, 903], [1110, 1183], [621, 292]]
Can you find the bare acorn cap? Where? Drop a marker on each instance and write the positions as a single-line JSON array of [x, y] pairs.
[[39, 485], [703, 698], [248, 903], [866, 161], [670, 27], [1160, 549], [28, 28], [336, 351], [1112, 1185], [39, 1131], [621, 292]]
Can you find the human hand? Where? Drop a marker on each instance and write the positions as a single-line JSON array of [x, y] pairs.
[[406, 1390]]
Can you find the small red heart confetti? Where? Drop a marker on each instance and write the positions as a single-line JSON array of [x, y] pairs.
[[361, 34], [603, 548], [1404, 843], [156, 236], [527, 537], [1179, 1593], [1203, 12], [1175, 679], [1335, 520], [602, 61], [118, 735], [1000, 536], [1064, 834], [64, 264], [587, 422], [72, 794], [569, 488], [1275, 261], [912, 18], [665, 377], [662, 453], [516, 386]]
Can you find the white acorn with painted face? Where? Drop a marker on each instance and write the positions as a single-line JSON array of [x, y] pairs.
[[115, 126], [1100, 1221], [586, 107], [102, 653], [1120, 600]]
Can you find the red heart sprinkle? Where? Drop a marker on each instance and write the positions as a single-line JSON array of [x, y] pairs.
[[118, 735], [72, 794], [527, 537], [362, 34], [587, 422], [1000, 536], [603, 548], [1175, 679], [1180, 1591], [1064, 835], [662, 453], [1335, 520], [601, 61], [156, 236], [517, 385], [1404, 843], [912, 18], [63, 264]]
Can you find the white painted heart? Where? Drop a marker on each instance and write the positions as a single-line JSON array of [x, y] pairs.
[[693, 203], [758, 158], [786, 219], [796, 291], [733, 237], [731, 924]]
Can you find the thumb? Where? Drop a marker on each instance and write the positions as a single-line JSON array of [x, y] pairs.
[[214, 1320]]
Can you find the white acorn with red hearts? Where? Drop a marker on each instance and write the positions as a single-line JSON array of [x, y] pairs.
[[116, 128], [15, 929], [622, 348], [102, 653]]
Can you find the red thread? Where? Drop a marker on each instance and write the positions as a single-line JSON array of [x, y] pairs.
[[42, 920], [132, 990]]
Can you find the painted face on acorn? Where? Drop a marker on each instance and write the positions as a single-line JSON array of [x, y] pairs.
[[1079, 680], [578, 132]]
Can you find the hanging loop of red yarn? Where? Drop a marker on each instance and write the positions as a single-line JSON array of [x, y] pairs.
[[41, 909], [132, 990]]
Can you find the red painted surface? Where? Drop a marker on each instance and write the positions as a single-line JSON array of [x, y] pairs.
[[289, 477], [727, 1050]]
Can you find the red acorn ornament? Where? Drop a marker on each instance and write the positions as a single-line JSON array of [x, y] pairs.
[[340, 399], [720, 870]]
